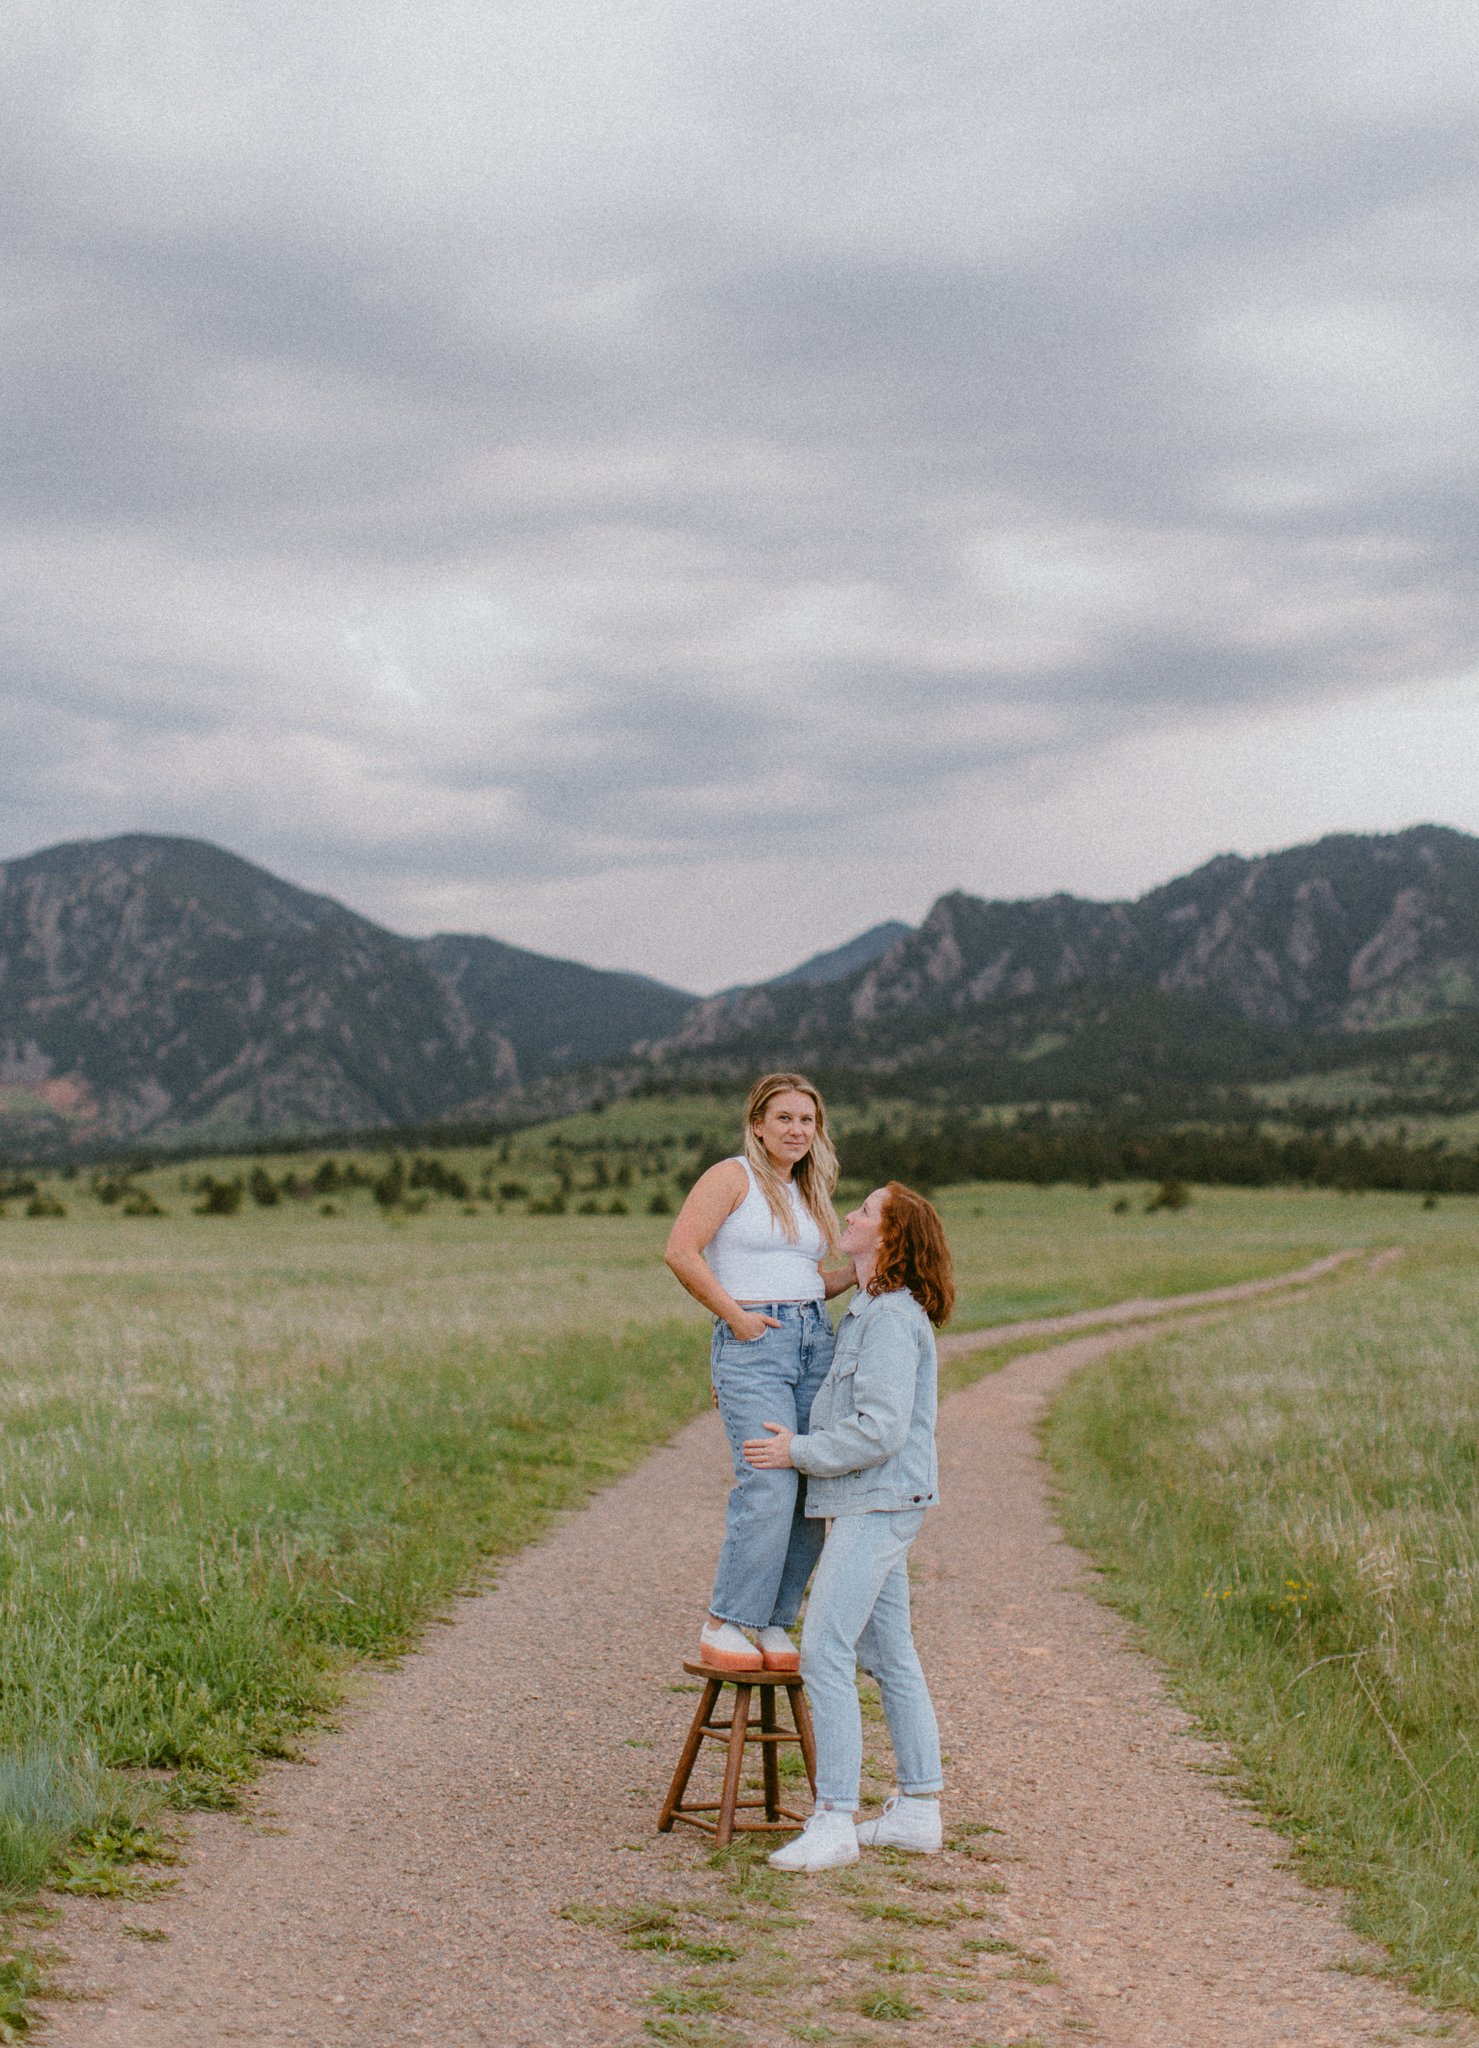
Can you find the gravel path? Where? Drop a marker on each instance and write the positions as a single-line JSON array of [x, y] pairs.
[[408, 1886]]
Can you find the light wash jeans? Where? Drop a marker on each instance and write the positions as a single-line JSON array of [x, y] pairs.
[[859, 1614], [769, 1545]]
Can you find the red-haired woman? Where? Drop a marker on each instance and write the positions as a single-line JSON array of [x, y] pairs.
[[869, 1457]]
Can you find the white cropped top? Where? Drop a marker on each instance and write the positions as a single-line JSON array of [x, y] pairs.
[[752, 1260]]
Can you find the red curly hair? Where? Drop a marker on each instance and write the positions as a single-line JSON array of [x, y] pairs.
[[912, 1253]]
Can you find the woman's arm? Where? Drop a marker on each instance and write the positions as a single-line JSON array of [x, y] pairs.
[[839, 1281], [713, 1196], [883, 1405]]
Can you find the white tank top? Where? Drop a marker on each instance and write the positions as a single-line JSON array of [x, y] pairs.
[[749, 1256]]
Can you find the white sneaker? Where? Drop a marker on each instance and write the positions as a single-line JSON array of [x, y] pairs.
[[727, 1648], [778, 1651], [828, 1841], [905, 1823]]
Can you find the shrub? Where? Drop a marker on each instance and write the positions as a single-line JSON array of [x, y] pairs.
[[218, 1197], [139, 1202], [658, 1203], [1171, 1194], [440, 1180], [263, 1188], [45, 1203]]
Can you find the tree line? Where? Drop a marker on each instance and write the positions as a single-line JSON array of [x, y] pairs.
[[1044, 1150]]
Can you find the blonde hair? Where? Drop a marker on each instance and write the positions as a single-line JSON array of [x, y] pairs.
[[814, 1177]]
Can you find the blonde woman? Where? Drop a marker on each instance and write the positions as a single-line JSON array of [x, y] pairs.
[[748, 1243]]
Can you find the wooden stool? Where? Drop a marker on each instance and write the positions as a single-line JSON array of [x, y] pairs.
[[735, 1733]]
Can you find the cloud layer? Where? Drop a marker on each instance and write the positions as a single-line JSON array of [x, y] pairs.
[[674, 485]]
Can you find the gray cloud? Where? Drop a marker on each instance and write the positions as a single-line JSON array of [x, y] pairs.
[[470, 460]]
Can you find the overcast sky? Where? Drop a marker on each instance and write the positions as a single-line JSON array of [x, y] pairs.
[[674, 484]]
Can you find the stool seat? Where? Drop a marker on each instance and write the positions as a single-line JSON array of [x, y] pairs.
[[721, 1817], [754, 1677]]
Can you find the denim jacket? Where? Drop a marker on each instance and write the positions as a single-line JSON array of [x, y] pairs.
[[871, 1443]]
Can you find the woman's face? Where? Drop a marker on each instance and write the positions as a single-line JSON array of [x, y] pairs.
[[787, 1128], [864, 1226]]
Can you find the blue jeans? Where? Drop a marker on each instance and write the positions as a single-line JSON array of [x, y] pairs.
[[859, 1614], [769, 1545]]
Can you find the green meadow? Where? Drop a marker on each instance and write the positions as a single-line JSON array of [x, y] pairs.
[[1287, 1505], [247, 1450]]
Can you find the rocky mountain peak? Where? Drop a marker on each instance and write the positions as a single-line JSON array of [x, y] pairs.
[[1347, 934]]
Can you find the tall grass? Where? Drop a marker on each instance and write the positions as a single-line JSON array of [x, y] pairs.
[[1289, 1506], [46, 1802]]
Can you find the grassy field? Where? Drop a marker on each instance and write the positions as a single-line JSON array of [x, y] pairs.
[[1288, 1506], [1028, 1251], [243, 1451]]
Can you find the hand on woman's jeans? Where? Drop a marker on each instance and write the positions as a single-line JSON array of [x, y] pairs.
[[750, 1324]]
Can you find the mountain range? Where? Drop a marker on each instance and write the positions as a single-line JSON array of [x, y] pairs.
[[1238, 966], [163, 988]]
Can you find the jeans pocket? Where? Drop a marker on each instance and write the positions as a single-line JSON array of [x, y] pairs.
[[728, 1342]]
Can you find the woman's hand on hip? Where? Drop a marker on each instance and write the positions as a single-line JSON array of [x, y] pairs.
[[770, 1453], [750, 1324]]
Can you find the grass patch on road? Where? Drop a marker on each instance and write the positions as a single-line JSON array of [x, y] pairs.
[[1288, 1504]]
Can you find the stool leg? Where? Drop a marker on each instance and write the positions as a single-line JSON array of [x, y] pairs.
[[801, 1715], [734, 1765], [769, 1760], [686, 1761]]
